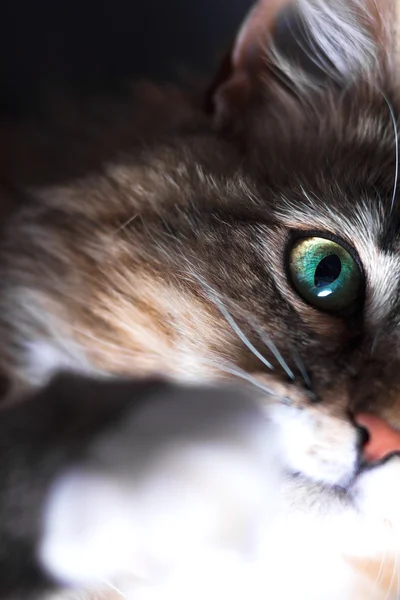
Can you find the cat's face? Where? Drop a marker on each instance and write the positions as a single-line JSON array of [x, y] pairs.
[[269, 252], [321, 140]]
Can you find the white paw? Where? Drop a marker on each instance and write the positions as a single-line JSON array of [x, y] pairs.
[[181, 478]]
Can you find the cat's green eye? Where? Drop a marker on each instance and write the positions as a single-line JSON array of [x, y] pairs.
[[325, 274]]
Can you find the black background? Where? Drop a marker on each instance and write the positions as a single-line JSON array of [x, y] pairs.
[[92, 45]]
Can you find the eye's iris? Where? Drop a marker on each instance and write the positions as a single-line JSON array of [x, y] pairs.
[[325, 274]]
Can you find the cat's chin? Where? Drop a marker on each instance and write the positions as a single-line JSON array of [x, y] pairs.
[[376, 493], [373, 493], [359, 520]]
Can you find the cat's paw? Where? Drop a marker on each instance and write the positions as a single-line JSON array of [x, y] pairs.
[[189, 472]]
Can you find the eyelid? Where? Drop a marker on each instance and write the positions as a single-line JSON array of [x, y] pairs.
[[296, 234]]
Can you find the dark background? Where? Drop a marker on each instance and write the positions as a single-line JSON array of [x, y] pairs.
[[91, 45]]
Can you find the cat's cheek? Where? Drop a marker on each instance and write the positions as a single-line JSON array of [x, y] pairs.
[[315, 444], [377, 493]]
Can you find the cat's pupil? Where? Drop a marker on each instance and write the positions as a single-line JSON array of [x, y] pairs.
[[327, 271]]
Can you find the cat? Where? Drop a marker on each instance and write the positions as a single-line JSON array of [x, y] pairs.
[[258, 242]]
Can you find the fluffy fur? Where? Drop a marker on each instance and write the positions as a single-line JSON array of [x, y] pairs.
[[169, 255]]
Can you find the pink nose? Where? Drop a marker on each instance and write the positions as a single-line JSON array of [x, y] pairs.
[[383, 439]]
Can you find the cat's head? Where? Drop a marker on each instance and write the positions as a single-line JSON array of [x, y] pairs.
[[268, 251], [312, 96]]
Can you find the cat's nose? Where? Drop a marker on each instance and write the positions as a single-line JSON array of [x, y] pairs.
[[382, 438]]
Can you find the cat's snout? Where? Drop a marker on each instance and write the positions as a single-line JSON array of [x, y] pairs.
[[382, 439]]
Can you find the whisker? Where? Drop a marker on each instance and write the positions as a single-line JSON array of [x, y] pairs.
[[114, 588], [396, 569], [212, 295], [301, 366], [378, 577], [396, 138], [242, 374], [247, 377], [265, 338], [388, 592], [228, 317]]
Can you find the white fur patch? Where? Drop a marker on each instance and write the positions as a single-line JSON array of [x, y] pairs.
[[44, 359], [319, 446], [340, 32], [377, 495]]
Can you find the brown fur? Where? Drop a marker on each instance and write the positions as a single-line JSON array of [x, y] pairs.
[[136, 232]]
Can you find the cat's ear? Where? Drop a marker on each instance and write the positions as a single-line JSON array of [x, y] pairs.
[[306, 44]]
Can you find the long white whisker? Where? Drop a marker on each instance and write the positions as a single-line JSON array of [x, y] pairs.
[[259, 330], [388, 592], [114, 588], [247, 377], [396, 571], [241, 374], [212, 295], [274, 350], [378, 577], [396, 137], [228, 317], [398, 578], [301, 366]]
